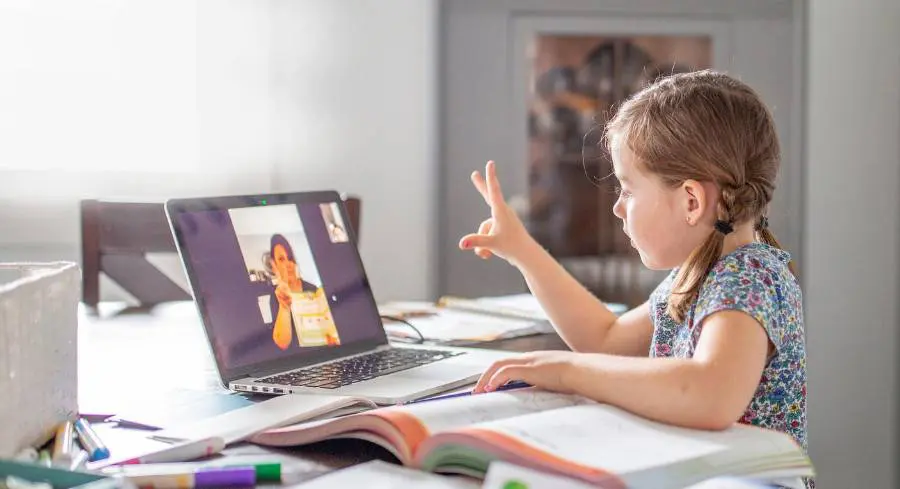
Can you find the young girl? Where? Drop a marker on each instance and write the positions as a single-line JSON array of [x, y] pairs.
[[697, 156]]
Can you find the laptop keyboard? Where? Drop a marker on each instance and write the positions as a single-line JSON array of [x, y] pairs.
[[360, 368]]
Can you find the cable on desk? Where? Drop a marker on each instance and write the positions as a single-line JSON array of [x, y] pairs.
[[401, 320]]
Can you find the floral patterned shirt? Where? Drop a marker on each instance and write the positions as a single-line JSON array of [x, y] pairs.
[[754, 279]]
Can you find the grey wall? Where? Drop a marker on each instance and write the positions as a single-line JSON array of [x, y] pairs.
[[851, 240]]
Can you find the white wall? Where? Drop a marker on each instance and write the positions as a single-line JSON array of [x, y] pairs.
[[354, 90], [255, 95], [851, 240]]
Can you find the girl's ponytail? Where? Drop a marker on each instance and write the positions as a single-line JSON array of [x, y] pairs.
[[690, 277], [765, 235], [686, 286]]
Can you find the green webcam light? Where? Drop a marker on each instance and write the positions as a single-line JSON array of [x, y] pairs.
[[263, 201]]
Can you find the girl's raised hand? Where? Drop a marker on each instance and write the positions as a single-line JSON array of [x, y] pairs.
[[503, 234]]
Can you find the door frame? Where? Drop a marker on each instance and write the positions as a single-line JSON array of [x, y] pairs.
[[482, 33]]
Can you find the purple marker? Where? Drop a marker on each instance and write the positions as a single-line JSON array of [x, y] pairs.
[[225, 477], [182, 477]]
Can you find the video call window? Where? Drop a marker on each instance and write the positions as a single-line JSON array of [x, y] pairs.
[[277, 254]]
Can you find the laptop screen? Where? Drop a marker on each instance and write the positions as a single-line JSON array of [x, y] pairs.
[[277, 281]]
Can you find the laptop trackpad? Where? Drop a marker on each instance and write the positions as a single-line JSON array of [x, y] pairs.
[[441, 371]]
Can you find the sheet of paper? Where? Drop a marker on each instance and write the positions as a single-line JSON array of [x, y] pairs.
[[383, 475], [730, 483], [240, 423], [518, 302], [503, 475], [457, 412], [528, 303], [604, 437], [452, 325]]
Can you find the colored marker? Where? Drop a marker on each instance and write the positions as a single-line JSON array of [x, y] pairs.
[[63, 443], [44, 458], [79, 459], [178, 478], [90, 441], [265, 471], [180, 452]]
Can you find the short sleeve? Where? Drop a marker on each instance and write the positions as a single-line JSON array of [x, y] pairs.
[[744, 283]]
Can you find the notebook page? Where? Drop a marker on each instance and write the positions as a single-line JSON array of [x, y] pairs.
[[274, 412], [528, 304], [745, 440], [502, 475], [604, 437], [449, 325], [458, 412], [378, 474]]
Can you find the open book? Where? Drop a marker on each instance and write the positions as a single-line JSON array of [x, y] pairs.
[[556, 433]]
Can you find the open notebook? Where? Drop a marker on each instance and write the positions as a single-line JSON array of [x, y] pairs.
[[557, 433]]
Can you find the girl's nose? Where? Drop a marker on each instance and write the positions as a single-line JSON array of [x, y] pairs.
[[619, 209]]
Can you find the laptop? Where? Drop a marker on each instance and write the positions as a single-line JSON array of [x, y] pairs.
[[287, 307]]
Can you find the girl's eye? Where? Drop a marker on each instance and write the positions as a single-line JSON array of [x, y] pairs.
[[622, 192]]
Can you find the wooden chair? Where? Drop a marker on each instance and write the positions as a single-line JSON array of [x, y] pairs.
[[117, 236]]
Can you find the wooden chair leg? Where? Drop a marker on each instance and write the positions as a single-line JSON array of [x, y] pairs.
[[90, 253]]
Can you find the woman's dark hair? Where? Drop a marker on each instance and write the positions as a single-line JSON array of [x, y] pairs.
[[278, 239]]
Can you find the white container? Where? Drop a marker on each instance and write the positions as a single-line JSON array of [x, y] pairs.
[[38, 351]]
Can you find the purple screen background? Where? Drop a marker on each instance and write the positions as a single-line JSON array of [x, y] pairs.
[[239, 335]]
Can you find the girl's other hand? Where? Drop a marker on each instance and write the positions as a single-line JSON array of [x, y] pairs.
[[544, 369], [503, 234]]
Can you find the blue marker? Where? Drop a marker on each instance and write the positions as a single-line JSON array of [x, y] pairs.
[[90, 441]]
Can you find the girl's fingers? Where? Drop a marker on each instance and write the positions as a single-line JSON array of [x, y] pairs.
[[490, 371], [472, 241], [504, 375], [484, 228], [481, 186], [495, 194]]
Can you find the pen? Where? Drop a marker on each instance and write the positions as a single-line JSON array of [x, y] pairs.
[[125, 423], [90, 441], [180, 452], [62, 444], [505, 387]]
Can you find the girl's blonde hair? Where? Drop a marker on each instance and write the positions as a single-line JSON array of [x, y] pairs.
[[705, 126]]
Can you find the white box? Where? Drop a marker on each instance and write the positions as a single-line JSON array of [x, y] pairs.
[[38, 351]]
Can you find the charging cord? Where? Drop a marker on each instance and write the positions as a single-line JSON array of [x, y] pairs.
[[421, 338]]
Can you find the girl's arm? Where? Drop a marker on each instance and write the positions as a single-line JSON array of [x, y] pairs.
[[709, 391], [582, 320]]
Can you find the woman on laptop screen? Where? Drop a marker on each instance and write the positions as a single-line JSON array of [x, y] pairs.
[[297, 304]]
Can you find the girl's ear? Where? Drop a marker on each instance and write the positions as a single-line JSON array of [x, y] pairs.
[[695, 200]]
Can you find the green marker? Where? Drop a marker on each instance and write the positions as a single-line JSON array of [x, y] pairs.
[[265, 471], [514, 484]]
